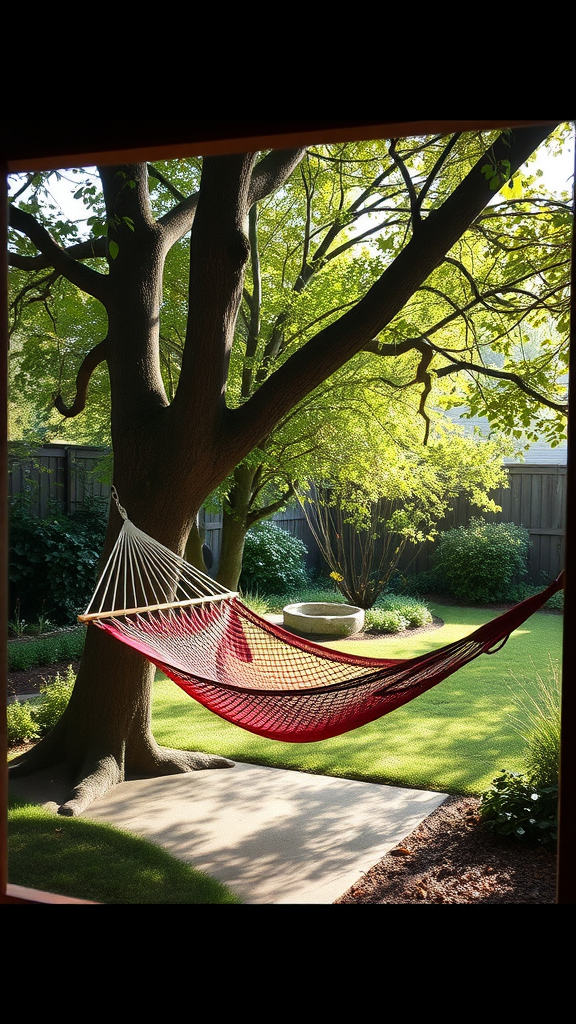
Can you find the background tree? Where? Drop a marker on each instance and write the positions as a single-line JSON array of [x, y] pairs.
[[170, 455]]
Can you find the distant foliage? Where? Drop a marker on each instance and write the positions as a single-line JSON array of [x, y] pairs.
[[480, 563], [53, 562], [46, 650], [274, 561]]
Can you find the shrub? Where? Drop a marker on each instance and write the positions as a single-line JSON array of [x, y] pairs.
[[385, 620], [274, 561], [28, 720], [53, 561], [516, 808], [417, 583], [479, 563], [20, 723], [54, 700], [394, 613], [46, 650]]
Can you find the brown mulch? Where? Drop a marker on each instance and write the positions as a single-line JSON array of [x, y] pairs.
[[449, 858], [452, 858]]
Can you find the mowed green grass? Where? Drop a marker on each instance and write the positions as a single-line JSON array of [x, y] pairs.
[[96, 862], [454, 739]]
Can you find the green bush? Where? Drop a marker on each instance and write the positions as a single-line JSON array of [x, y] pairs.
[[54, 697], [274, 561], [417, 613], [53, 561], [395, 612], [517, 808], [20, 722], [480, 563], [28, 720], [385, 620]]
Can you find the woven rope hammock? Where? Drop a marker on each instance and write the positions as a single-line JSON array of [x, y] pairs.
[[251, 672]]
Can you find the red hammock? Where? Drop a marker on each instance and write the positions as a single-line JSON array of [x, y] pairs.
[[272, 683]]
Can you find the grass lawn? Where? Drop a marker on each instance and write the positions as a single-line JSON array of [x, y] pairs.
[[453, 739], [93, 861]]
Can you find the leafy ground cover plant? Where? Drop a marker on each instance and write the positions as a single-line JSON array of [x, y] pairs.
[[393, 613], [517, 808], [63, 645]]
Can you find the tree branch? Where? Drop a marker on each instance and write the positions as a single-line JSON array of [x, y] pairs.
[[272, 171], [179, 220], [333, 346], [86, 250], [96, 356], [269, 510], [412, 195], [85, 278], [489, 371]]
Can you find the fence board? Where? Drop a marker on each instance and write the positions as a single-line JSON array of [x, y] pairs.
[[56, 475]]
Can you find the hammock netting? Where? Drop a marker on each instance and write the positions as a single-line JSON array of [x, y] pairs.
[[253, 673]]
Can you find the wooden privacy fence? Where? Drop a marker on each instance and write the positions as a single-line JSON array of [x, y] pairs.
[[536, 499], [62, 476]]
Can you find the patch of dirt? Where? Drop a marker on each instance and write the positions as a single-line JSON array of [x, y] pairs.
[[30, 680]]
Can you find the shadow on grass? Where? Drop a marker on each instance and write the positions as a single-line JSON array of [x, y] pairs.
[[70, 856]]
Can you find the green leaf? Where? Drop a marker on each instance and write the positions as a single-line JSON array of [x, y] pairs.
[[113, 249]]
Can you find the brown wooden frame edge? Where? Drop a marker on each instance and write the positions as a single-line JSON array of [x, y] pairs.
[[35, 145]]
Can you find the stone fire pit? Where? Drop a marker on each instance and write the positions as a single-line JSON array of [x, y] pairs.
[[331, 621]]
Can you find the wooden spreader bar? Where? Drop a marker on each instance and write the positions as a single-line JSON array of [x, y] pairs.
[[117, 612]]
